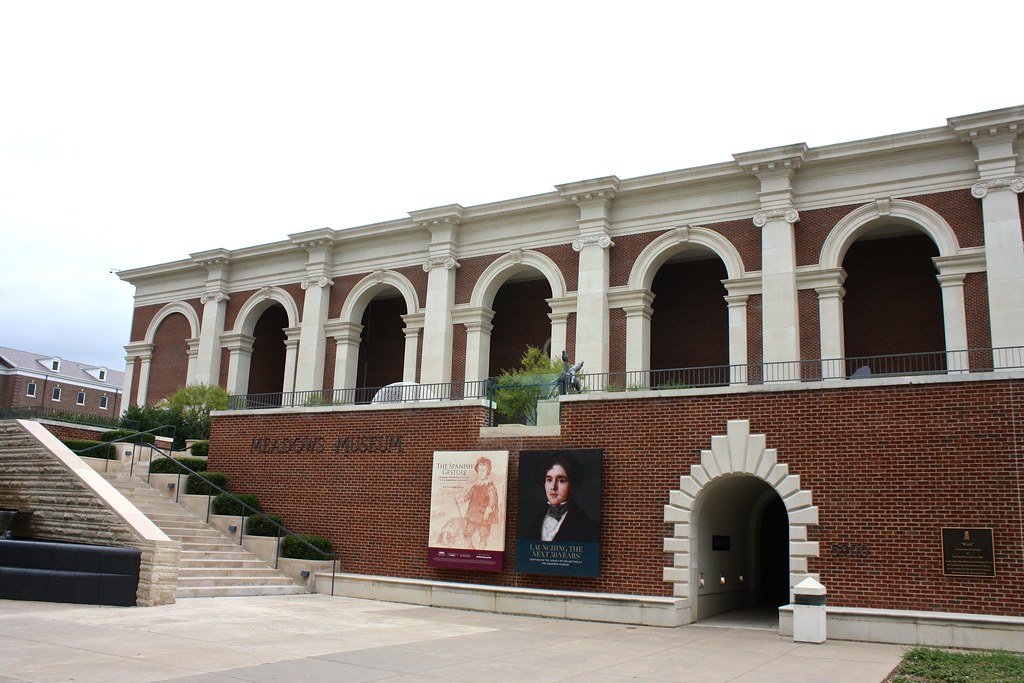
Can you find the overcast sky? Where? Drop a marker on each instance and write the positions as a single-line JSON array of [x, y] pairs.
[[135, 133]]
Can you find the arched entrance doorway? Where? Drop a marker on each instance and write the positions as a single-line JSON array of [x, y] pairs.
[[739, 513]]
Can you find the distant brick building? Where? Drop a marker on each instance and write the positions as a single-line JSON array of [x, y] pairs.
[[36, 382], [803, 362]]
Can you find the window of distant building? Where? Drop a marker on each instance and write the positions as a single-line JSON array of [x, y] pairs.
[[55, 365], [103, 402], [56, 394], [80, 400], [103, 375], [30, 391]]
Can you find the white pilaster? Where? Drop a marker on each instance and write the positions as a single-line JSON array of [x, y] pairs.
[[346, 357], [738, 294], [594, 198], [443, 224], [561, 307], [133, 352], [193, 355], [291, 357], [413, 329], [637, 305], [239, 348], [953, 271], [215, 303], [780, 309], [828, 285], [994, 135], [478, 340], [309, 369]]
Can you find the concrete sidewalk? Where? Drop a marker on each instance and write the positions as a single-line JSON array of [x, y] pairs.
[[312, 638]]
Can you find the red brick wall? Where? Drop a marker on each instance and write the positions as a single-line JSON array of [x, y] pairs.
[[893, 302], [887, 467], [961, 211], [690, 323], [169, 368], [812, 230], [470, 270], [616, 342], [520, 320]]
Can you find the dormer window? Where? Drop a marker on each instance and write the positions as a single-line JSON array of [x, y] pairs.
[[55, 365], [102, 375]]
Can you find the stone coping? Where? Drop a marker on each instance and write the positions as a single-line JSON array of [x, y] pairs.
[[362, 407], [604, 607]]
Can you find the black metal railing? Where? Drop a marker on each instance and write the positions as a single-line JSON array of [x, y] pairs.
[[815, 370]]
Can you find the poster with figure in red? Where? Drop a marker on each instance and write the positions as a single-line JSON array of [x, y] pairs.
[[467, 510]]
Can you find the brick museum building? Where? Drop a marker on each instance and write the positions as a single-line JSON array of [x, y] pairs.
[[800, 362]]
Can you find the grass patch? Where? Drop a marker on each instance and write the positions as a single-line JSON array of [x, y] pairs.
[[928, 665]]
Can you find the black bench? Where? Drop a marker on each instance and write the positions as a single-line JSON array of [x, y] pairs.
[[68, 572]]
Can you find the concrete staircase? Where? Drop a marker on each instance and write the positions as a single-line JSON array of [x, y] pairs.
[[212, 565]]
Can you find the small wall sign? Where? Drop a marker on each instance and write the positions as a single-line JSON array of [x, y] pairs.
[[968, 552]]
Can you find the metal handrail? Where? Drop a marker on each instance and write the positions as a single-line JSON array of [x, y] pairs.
[[245, 506]]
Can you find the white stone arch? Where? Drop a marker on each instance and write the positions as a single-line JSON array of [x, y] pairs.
[[259, 302], [504, 267], [737, 452], [347, 327], [888, 212], [477, 315], [641, 278], [655, 254], [860, 221], [372, 285], [169, 310]]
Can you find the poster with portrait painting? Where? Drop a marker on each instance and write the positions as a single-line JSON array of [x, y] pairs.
[[559, 527], [467, 510]]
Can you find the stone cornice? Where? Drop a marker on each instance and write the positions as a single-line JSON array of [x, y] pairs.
[[212, 257], [773, 161], [322, 237], [584, 191], [975, 128], [448, 215]]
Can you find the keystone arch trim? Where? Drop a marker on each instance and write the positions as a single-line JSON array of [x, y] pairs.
[[736, 452]]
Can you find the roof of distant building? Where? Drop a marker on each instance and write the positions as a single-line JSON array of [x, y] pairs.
[[58, 367]]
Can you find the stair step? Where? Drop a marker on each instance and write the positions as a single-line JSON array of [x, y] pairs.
[[236, 591]]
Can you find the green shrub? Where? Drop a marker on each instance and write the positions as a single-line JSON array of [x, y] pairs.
[[200, 449], [168, 466], [225, 504], [293, 547], [90, 448], [197, 482], [261, 526], [127, 436]]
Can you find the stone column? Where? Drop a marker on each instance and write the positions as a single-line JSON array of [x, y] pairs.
[[291, 358], [309, 370], [346, 339], [594, 199], [828, 285], [737, 294], [636, 304], [478, 341], [994, 135], [141, 351], [560, 307], [413, 329], [193, 355], [443, 224], [781, 321], [953, 270], [215, 304], [239, 348]]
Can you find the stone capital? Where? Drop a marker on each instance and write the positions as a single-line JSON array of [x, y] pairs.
[[790, 215], [316, 281], [602, 241], [1015, 184], [215, 297], [446, 262]]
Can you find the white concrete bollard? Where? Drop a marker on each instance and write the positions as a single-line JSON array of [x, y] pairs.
[[809, 612]]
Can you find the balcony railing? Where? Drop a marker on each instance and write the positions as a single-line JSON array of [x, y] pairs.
[[850, 368]]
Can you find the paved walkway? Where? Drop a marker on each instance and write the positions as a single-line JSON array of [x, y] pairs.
[[311, 638]]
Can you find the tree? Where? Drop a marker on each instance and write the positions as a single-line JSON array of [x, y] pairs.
[[518, 391], [192, 405]]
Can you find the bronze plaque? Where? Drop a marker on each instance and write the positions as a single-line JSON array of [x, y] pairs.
[[968, 552]]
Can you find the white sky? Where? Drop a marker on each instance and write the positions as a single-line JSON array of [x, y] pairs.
[[134, 133]]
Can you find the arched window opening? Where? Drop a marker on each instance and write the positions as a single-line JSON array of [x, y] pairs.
[[266, 370], [893, 302], [520, 320], [382, 341], [690, 320]]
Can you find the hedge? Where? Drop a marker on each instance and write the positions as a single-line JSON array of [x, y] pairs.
[[168, 466], [197, 482], [292, 547], [127, 436], [200, 449], [260, 526], [224, 504], [105, 452]]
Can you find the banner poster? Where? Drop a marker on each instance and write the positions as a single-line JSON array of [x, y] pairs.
[[559, 529], [467, 510]]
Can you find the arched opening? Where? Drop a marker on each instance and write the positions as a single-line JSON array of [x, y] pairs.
[[520, 320], [742, 551], [266, 369], [382, 340], [170, 355], [690, 320], [893, 301]]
